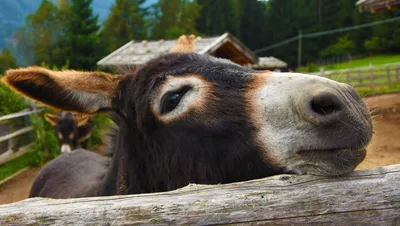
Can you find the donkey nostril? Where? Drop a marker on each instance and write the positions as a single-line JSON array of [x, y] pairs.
[[325, 104]]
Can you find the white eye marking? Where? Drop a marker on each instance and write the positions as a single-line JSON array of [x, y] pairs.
[[191, 91]]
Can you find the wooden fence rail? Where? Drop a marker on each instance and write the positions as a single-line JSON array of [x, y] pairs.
[[11, 154], [367, 197], [371, 77]]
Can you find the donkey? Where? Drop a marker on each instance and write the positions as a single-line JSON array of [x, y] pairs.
[[188, 118], [72, 130]]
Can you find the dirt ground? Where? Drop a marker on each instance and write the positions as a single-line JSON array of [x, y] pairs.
[[384, 148], [17, 188]]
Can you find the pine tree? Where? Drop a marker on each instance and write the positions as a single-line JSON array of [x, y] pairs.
[[218, 17], [37, 39], [85, 47], [7, 61], [252, 23], [173, 18], [126, 22]]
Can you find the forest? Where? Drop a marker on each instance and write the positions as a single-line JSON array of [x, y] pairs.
[[67, 33]]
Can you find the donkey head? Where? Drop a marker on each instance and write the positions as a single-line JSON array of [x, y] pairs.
[[68, 127]]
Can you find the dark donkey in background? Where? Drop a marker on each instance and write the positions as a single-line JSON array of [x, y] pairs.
[[72, 130], [189, 118]]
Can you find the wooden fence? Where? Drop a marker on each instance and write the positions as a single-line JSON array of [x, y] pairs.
[[12, 128], [373, 78], [367, 197]]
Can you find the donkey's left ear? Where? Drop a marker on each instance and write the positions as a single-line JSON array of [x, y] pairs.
[[76, 91], [81, 120]]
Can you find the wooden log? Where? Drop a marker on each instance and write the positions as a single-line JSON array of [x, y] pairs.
[[367, 197]]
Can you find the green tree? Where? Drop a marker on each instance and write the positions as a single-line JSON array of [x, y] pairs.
[[343, 46], [282, 22], [10, 101], [252, 27], [225, 12], [38, 38], [125, 22], [82, 36], [7, 61], [373, 45], [172, 18]]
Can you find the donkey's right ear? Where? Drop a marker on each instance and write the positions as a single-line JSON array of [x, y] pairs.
[[52, 119], [76, 91]]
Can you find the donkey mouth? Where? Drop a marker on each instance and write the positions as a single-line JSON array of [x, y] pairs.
[[329, 151], [344, 155], [330, 161]]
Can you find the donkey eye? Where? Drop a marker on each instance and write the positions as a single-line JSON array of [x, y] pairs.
[[171, 99]]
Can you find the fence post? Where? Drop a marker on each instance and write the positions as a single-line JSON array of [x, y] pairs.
[[41, 130], [388, 76], [348, 79], [397, 74], [360, 77], [371, 77], [321, 72]]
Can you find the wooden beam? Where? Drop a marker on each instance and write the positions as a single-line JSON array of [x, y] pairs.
[[368, 197], [10, 154], [378, 6], [16, 133], [14, 175]]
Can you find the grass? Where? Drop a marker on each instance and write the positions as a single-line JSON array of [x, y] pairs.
[[13, 166], [363, 91], [376, 61], [36, 155], [339, 73]]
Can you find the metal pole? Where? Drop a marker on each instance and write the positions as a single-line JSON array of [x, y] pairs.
[[299, 50]]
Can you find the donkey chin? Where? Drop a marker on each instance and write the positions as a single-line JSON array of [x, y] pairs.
[[324, 131]]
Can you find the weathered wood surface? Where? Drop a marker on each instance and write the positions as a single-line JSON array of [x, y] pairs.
[[368, 197]]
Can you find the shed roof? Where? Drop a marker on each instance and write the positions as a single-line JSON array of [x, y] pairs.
[[269, 62], [139, 52], [375, 6]]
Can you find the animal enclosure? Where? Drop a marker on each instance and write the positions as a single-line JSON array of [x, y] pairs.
[[366, 78], [16, 134], [368, 197]]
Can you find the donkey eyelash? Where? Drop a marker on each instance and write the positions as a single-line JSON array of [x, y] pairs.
[[167, 105]]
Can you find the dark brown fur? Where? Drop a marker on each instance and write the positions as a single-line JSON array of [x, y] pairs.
[[215, 146], [211, 144]]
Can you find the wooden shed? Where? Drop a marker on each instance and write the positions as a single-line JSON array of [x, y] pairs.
[[375, 6], [270, 63], [135, 53]]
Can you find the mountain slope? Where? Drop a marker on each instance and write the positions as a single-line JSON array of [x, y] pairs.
[[13, 13]]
